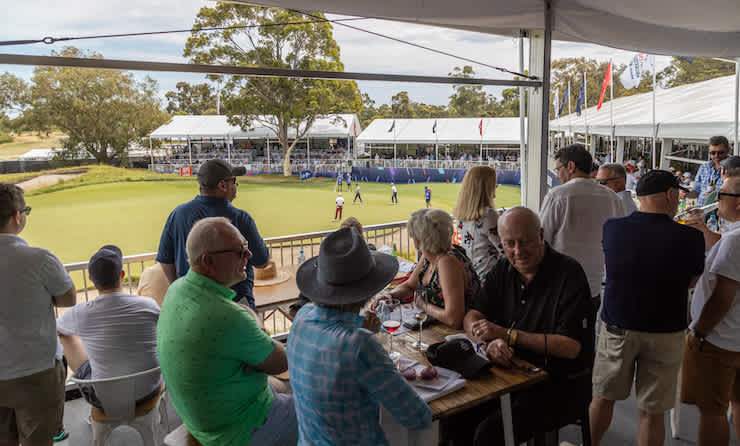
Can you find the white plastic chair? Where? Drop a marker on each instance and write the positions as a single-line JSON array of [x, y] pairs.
[[117, 395]]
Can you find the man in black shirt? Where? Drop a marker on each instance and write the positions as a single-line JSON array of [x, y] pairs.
[[535, 306]]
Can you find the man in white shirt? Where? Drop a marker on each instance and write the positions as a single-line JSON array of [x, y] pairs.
[[711, 367], [340, 205], [574, 213], [394, 194], [31, 370], [614, 176], [114, 334]]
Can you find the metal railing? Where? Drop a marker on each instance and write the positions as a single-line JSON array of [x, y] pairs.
[[435, 164]]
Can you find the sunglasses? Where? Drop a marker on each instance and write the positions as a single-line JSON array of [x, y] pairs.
[[233, 180], [717, 152], [26, 210], [241, 251], [603, 181], [726, 194]]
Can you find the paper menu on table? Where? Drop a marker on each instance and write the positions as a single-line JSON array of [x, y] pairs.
[[448, 381]]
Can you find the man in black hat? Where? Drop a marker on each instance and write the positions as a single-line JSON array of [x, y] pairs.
[[651, 262], [218, 184], [339, 372], [535, 306]]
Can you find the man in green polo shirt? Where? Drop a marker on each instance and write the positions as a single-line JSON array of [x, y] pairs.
[[215, 358]]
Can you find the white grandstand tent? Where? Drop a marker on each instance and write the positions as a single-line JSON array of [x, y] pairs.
[[496, 131]]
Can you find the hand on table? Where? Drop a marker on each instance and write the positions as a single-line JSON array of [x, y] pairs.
[[499, 353], [484, 330]]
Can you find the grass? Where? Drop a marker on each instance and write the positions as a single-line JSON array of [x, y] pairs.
[[128, 207], [26, 141]]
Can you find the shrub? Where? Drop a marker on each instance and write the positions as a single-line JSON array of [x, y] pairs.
[[5, 138]]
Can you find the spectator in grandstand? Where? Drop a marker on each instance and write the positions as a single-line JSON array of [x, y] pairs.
[[153, 283], [394, 194], [214, 355], [574, 212], [428, 196], [113, 335], [357, 194], [340, 205], [614, 177], [32, 370], [709, 176], [444, 274], [477, 218], [711, 367], [651, 262], [218, 185], [340, 373]]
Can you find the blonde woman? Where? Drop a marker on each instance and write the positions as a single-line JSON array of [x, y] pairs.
[[477, 219], [444, 274]]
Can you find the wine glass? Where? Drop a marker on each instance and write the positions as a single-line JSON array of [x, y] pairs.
[[420, 317], [391, 320]]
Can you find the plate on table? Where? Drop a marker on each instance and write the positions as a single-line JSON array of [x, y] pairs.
[[444, 378]]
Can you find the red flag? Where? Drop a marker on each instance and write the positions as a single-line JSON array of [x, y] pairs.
[[607, 81], [354, 127], [480, 127]]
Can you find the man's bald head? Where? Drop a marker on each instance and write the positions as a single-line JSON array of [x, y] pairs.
[[520, 216], [521, 234]]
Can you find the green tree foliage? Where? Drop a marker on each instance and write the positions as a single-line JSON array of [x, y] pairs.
[[102, 112], [14, 94], [277, 103], [469, 100], [681, 72], [188, 99]]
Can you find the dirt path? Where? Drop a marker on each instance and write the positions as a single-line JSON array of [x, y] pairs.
[[46, 180]]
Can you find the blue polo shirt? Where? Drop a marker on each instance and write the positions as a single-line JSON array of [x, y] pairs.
[[181, 220], [650, 260]]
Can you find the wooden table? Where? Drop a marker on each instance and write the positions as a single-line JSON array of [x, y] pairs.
[[500, 383], [272, 297]]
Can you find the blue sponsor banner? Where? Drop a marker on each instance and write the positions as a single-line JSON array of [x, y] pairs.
[[419, 175], [305, 175]]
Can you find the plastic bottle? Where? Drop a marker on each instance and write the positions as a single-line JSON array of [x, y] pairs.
[[394, 253], [301, 257], [713, 224]]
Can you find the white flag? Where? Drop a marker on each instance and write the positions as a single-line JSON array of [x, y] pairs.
[[630, 77]]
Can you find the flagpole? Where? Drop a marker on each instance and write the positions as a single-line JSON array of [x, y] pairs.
[[585, 108], [481, 141], [654, 129], [395, 163], [570, 117], [611, 109]]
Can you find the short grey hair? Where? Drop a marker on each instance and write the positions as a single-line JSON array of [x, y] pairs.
[[616, 169], [432, 229], [206, 235]]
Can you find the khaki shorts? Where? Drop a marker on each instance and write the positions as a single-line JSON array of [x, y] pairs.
[[651, 360], [31, 406], [710, 378]]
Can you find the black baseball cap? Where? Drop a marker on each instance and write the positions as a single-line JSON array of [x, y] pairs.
[[213, 171], [105, 266], [657, 181], [458, 355]]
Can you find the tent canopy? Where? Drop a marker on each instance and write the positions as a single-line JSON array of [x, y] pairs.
[[693, 111], [216, 126], [500, 131], [672, 27]]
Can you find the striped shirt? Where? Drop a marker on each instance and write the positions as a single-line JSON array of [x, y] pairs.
[[341, 375], [704, 177]]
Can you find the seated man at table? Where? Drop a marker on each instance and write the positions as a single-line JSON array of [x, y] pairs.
[[214, 357], [340, 373], [534, 306]]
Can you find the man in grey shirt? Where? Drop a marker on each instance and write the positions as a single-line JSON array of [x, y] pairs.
[[614, 176], [114, 334]]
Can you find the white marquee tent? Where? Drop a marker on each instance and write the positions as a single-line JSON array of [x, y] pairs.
[[496, 131]]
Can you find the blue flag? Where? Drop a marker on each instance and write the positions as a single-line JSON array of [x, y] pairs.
[[565, 96], [392, 126], [434, 127], [581, 97]]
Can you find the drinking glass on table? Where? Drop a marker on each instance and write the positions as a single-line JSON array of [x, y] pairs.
[[421, 317], [390, 317]]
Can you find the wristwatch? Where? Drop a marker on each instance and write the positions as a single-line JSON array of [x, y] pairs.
[[698, 337]]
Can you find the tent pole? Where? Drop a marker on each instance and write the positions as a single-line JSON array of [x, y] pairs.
[[268, 154], [737, 99], [655, 131], [308, 149], [190, 152], [228, 149], [151, 151], [522, 135]]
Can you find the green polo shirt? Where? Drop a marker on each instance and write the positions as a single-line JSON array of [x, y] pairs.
[[204, 340]]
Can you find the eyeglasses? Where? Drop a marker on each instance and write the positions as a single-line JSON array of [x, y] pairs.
[[241, 251], [603, 181], [26, 210], [717, 152], [233, 180], [726, 194]]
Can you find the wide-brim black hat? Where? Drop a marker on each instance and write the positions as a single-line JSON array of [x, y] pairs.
[[345, 271]]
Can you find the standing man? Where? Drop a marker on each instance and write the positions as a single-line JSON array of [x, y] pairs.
[[428, 196], [349, 181], [340, 204], [32, 373], [215, 358], [357, 194], [651, 262], [574, 213], [614, 176], [339, 182], [711, 368], [218, 185], [709, 175], [394, 194]]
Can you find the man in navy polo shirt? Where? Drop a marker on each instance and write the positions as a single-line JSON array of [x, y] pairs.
[[651, 262], [218, 185]]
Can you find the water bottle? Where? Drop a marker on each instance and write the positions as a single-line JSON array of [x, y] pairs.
[[713, 224], [682, 205], [301, 257]]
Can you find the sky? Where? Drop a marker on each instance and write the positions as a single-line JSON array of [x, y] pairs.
[[360, 51]]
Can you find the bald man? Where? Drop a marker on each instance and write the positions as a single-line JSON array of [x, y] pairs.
[[536, 303]]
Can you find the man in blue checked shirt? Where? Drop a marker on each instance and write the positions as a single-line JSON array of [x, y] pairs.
[[709, 176], [339, 372]]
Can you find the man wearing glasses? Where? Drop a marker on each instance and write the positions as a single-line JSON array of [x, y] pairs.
[[31, 370], [709, 176], [614, 176], [218, 185]]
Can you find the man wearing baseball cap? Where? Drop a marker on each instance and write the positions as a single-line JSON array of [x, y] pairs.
[[218, 185], [651, 262], [114, 334]]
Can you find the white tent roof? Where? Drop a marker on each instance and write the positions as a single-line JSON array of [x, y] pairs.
[[38, 154], [693, 111], [216, 126], [672, 27], [449, 131]]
